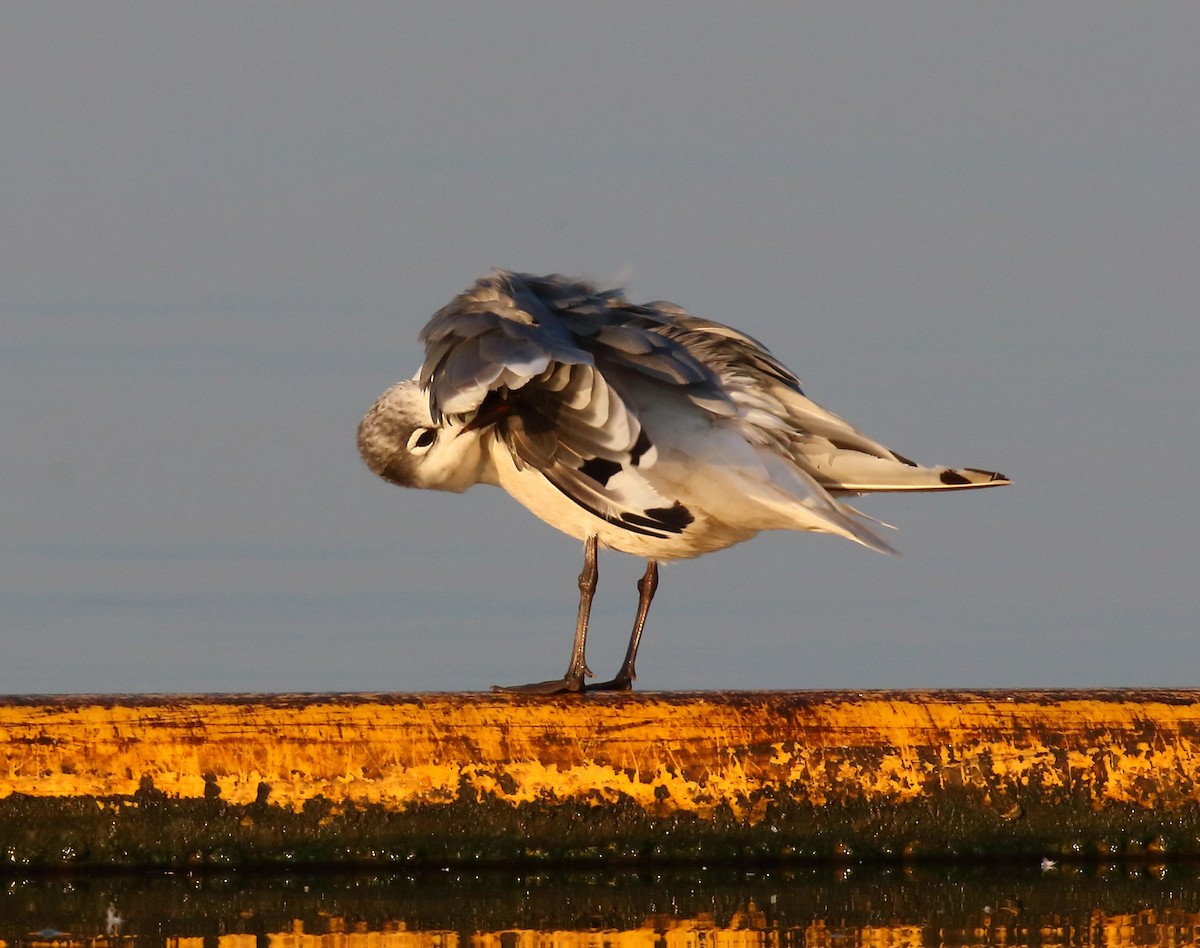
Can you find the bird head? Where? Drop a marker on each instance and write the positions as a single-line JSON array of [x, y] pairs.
[[399, 440]]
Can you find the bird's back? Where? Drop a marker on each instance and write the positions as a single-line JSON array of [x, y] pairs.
[[651, 421]]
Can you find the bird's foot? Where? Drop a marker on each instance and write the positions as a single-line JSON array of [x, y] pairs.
[[558, 686], [623, 682]]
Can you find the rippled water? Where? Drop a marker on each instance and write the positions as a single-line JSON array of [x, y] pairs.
[[724, 907]]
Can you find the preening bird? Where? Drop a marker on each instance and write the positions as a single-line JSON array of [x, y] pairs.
[[640, 428]]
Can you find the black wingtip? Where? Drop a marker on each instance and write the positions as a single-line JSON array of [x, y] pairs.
[[993, 477]]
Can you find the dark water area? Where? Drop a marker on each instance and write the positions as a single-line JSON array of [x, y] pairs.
[[713, 906]]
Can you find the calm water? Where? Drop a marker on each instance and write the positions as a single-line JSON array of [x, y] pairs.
[[726, 908]]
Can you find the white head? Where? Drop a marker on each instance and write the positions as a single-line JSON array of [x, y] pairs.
[[400, 442]]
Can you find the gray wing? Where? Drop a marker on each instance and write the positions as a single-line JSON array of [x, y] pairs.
[[511, 328], [772, 408], [547, 363]]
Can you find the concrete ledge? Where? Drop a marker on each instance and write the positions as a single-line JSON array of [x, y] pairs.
[[452, 778]]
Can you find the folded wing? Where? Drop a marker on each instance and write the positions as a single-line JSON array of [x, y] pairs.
[[540, 360]]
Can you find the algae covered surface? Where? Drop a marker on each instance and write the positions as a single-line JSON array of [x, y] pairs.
[[431, 780]]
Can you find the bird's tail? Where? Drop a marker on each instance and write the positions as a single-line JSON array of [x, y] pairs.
[[843, 460], [852, 472], [825, 511]]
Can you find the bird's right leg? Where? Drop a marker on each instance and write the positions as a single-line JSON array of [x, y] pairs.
[[577, 670], [625, 678]]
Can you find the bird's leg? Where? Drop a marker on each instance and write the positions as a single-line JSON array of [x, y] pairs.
[[647, 586], [577, 670]]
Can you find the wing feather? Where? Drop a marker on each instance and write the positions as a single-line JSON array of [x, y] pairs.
[[555, 371], [544, 362]]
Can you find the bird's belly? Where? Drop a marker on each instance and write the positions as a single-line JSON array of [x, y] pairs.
[[544, 500]]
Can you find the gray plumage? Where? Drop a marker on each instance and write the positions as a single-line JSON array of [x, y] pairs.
[[641, 427]]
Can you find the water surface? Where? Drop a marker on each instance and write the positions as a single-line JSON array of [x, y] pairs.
[[702, 906]]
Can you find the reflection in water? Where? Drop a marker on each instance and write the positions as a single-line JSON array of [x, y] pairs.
[[699, 908]]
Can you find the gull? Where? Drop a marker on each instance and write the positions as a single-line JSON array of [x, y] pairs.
[[639, 428]]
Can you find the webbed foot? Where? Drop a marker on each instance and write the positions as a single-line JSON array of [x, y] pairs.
[[621, 683], [558, 686]]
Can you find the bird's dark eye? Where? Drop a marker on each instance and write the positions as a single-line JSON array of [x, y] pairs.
[[421, 438]]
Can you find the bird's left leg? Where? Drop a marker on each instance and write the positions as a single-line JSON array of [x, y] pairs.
[[624, 679], [577, 670]]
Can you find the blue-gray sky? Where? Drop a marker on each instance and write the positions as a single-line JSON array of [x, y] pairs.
[[971, 229]]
